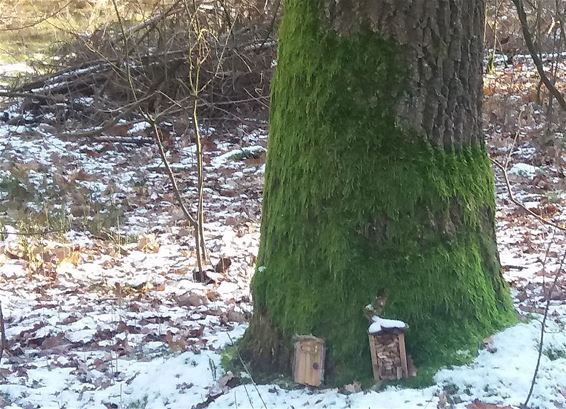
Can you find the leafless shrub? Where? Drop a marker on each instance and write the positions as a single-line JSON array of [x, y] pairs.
[[153, 42], [503, 28], [160, 50]]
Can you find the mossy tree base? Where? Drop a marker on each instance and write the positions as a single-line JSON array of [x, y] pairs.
[[358, 205]]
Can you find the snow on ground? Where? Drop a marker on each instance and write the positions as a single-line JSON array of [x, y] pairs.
[[106, 313]]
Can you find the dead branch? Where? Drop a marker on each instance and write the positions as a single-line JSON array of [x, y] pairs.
[[124, 112], [152, 21], [172, 178], [60, 80], [64, 75], [48, 97], [195, 223], [271, 24], [543, 326], [246, 369], [106, 125], [503, 169], [536, 59], [2, 334]]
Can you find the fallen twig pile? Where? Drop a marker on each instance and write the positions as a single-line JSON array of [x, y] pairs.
[[128, 67]]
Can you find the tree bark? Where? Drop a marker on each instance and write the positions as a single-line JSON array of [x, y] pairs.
[[377, 182]]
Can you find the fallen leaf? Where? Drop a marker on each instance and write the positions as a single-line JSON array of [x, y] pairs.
[[223, 265], [175, 342], [191, 300], [226, 380], [148, 243], [353, 387], [56, 341], [488, 345], [212, 295]]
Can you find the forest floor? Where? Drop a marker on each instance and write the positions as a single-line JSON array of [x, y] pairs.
[[105, 312]]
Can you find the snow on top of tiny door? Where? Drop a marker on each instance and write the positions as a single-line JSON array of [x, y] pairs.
[[380, 324]]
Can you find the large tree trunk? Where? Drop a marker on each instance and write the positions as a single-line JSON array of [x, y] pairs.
[[377, 181]]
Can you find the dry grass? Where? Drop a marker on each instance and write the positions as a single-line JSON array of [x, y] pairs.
[[29, 27]]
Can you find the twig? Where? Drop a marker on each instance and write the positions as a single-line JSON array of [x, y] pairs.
[[515, 138], [126, 50], [195, 223], [150, 93], [226, 13], [2, 334], [64, 75], [51, 97], [96, 66], [200, 183], [536, 59], [106, 124], [170, 173], [542, 328], [518, 203], [247, 371], [139, 141], [194, 80], [271, 25], [153, 20]]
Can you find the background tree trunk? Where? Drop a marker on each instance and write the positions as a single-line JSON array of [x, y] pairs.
[[377, 182]]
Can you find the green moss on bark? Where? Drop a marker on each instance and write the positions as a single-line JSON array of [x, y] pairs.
[[354, 205]]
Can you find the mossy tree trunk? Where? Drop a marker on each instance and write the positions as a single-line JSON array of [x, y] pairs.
[[377, 181]]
